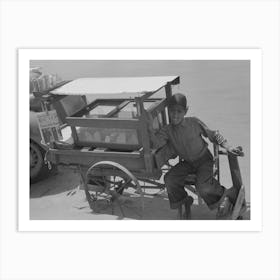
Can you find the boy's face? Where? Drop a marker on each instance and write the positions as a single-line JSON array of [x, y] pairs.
[[177, 113]]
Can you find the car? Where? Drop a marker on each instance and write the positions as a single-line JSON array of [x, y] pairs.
[[69, 105], [38, 167]]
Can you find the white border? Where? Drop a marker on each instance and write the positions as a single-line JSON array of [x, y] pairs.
[[254, 55]]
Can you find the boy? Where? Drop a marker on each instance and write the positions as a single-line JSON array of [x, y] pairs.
[[184, 137]]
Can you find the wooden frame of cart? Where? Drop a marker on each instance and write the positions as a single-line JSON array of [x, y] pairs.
[[110, 145]]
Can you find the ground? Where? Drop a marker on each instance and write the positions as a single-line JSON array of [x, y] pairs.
[[62, 197]]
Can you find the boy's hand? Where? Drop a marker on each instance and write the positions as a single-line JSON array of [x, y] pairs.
[[235, 151]]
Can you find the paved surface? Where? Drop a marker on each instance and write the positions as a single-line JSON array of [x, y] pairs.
[[60, 197]]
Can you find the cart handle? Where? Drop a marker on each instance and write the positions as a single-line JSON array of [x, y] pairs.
[[239, 151]]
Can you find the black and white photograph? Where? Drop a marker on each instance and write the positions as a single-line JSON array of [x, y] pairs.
[[140, 139]]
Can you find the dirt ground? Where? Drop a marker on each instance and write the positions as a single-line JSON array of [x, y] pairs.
[[61, 197]]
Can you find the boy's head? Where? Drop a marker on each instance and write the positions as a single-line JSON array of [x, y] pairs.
[[177, 106]]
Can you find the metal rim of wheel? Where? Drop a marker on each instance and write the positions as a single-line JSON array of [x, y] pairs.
[[113, 187]]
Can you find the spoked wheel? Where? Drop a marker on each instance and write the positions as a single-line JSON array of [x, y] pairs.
[[109, 184]]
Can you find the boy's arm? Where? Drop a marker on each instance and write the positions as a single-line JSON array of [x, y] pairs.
[[215, 137], [157, 140]]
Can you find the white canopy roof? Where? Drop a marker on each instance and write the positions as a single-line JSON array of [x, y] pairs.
[[114, 87]]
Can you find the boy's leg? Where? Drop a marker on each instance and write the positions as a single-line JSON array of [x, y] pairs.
[[207, 186], [175, 182]]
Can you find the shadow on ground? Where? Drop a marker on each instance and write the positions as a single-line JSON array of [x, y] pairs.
[[60, 197], [55, 183]]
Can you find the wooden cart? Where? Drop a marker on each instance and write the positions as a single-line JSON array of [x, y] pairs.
[[109, 144]]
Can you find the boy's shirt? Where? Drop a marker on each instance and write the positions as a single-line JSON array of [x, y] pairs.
[[186, 138]]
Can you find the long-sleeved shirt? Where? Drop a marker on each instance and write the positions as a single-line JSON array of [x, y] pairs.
[[186, 138]]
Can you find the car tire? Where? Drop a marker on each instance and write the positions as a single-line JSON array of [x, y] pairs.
[[38, 168]]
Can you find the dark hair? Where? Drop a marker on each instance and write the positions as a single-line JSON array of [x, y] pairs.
[[178, 99]]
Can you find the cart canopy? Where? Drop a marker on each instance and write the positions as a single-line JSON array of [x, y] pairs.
[[128, 87]]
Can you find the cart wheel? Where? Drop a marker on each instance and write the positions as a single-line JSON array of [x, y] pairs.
[[109, 184]]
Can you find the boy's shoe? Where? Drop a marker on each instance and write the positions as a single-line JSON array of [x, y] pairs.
[[224, 209]]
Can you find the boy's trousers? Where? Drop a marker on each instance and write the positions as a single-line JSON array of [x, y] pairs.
[[206, 185]]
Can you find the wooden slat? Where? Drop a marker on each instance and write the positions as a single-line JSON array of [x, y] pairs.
[[85, 110], [216, 161], [238, 204], [144, 135], [60, 110], [235, 171], [114, 146], [157, 107], [149, 94], [97, 152], [87, 159], [118, 108], [168, 91], [74, 134], [103, 122]]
